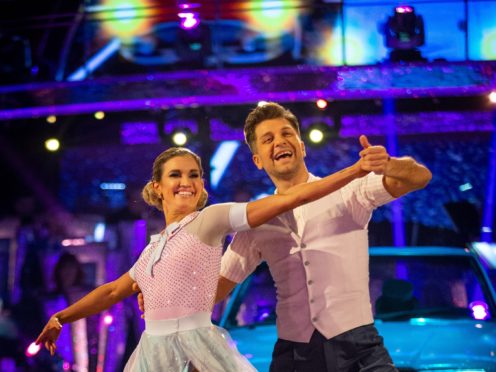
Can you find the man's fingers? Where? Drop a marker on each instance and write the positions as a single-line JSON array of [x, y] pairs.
[[376, 158], [376, 150], [376, 163], [141, 302], [364, 141]]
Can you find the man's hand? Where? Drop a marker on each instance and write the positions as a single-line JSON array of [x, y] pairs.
[[373, 158], [141, 300], [401, 175]]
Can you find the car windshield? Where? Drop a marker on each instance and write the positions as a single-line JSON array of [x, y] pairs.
[[411, 287], [401, 287]]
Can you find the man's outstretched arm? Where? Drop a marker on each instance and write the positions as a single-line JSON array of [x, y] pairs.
[[401, 175]]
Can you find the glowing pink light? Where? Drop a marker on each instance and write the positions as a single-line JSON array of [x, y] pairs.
[[66, 366], [108, 319], [404, 9], [492, 97], [189, 5], [32, 350], [73, 242], [189, 20], [479, 310]]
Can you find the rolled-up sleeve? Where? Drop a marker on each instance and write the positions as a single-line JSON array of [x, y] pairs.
[[241, 257], [364, 195], [373, 191]]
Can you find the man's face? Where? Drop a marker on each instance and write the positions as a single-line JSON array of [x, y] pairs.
[[278, 149]]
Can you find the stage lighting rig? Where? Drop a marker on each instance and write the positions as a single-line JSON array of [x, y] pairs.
[[194, 38], [404, 32]]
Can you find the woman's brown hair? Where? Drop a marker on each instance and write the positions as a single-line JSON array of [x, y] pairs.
[[149, 194]]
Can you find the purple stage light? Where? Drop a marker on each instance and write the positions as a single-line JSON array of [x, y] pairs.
[[403, 9], [189, 20], [108, 319], [187, 5], [246, 86], [264, 315], [32, 350], [479, 310]]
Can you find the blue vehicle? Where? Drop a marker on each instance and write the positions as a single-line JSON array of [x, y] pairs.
[[434, 306]]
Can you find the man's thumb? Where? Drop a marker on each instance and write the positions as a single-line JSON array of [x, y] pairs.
[[364, 141]]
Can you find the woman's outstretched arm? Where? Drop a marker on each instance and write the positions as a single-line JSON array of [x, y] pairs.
[[94, 302]]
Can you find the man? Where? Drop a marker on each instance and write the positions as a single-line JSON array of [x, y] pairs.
[[318, 253]]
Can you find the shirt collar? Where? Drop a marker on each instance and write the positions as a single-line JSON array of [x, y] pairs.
[[311, 178]]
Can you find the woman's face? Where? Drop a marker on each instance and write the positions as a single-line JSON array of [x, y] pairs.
[[181, 185]]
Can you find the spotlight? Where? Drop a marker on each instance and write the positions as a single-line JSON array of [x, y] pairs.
[[52, 119], [321, 103], [52, 144], [108, 319], [492, 97], [99, 115], [188, 20], [32, 350], [479, 310], [317, 133], [180, 137], [404, 32]]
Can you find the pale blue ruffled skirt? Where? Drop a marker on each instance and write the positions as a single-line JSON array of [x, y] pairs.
[[178, 345]]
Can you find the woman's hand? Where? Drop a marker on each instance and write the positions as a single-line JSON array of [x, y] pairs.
[[50, 335]]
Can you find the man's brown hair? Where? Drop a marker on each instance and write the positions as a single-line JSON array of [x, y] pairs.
[[266, 111]]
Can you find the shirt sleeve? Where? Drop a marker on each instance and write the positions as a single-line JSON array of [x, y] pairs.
[[241, 257], [364, 195]]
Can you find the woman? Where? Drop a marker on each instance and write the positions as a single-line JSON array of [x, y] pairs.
[[178, 271]]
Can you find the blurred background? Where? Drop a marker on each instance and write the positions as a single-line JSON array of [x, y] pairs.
[[91, 91]]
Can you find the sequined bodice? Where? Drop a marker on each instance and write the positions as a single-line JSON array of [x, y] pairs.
[[183, 281]]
